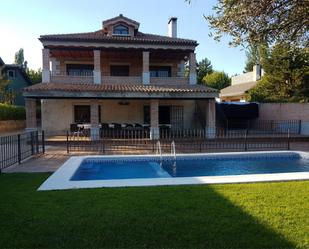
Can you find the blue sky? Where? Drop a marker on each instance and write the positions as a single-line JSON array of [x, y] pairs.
[[22, 22]]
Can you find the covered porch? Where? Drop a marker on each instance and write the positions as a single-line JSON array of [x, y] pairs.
[[155, 110]]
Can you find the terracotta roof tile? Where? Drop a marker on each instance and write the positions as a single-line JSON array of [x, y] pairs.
[[100, 36], [119, 88]]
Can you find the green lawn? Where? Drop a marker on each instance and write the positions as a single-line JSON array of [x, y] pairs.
[[265, 215]]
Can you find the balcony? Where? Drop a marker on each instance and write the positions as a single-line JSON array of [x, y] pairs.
[[169, 80], [72, 78], [123, 80], [111, 80]]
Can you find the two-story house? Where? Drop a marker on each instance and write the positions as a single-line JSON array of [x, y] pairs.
[[120, 75], [18, 79]]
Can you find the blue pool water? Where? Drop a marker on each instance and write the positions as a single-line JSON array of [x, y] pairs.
[[108, 169]]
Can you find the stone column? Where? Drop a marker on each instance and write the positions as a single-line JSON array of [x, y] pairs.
[[46, 66], [192, 64], [181, 69], [154, 119], [31, 123], [94, 119], [97, 66], [211, 118], [146, 73], [55, 66]]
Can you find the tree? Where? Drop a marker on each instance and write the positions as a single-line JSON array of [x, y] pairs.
[[253, 58], [256, 22], [19, 58], [6, 96], [204, 68], [286, 76], [217, 80], [35, 75]]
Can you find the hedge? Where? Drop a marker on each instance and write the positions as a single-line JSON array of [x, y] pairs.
[[11, 112]]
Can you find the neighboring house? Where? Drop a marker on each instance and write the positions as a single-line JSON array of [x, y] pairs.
[[18, 80], [240, 85], [120, 75]]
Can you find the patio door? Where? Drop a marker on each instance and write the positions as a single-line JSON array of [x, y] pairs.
[[81, 113], [164, 114], [177, 117]]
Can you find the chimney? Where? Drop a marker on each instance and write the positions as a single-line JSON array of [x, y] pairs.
[[172, 27], [257, 72]]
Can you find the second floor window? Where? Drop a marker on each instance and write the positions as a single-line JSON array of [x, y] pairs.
[[79, 70], [121, 70], [160, 71], [11, 74], [121, 30]]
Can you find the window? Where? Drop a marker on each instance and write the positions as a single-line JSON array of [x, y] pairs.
[[119, 70], [160, 71], [82, 113], [11, 73], [121, 30], [79, 70]]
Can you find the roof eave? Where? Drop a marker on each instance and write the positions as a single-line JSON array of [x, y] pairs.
[[116, 95]]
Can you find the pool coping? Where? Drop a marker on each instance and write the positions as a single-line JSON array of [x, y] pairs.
[[60, 179]]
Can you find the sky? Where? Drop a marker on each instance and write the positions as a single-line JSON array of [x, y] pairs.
[[22, 22]]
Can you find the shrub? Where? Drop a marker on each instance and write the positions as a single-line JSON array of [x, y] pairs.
[[11, 112]]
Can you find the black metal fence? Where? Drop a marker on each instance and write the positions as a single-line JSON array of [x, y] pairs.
[[186, 141], [16, 148]]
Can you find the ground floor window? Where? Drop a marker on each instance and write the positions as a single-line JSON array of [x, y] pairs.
[[82, 113]]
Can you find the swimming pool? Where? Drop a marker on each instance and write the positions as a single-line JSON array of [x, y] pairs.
[[147, 170]]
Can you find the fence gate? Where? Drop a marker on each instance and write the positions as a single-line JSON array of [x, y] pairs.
[[16, 148]]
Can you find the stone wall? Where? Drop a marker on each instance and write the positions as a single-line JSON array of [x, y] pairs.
[[12, 125], [286, 111]]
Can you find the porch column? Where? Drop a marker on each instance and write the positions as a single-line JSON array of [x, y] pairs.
[[192, 64], [154, 119], [31, 123], [94, 116], [97, 66], [211, 118], [46, 66], [146, 73]]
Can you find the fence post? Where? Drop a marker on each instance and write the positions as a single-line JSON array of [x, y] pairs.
[[18, 148], [299, 127], [43, 142], [32, 142], [246, 135], [68, 151], [288, 139], [37, 142]]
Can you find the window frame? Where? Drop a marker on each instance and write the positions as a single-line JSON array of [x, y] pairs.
[[11, 71], [124, 27]]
